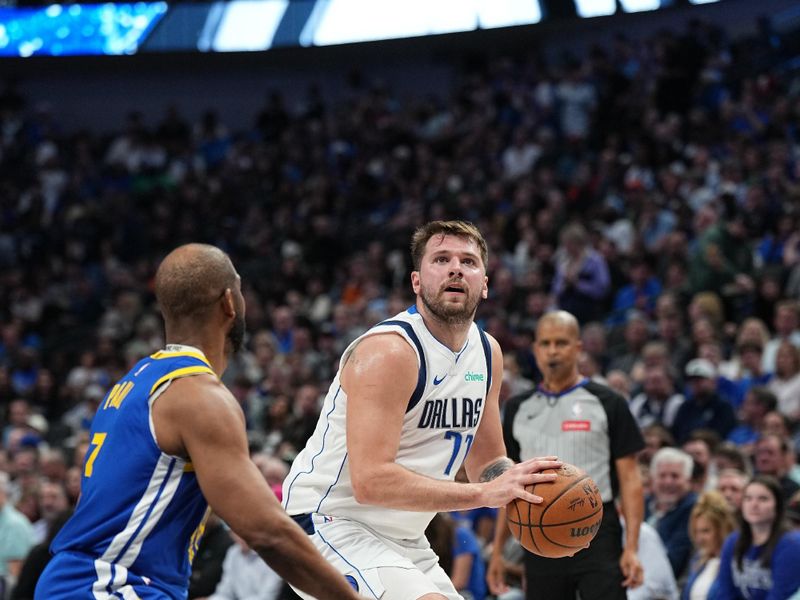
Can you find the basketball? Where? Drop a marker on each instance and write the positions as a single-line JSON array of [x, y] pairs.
[[565, 522]]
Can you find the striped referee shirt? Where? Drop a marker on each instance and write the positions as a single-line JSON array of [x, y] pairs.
[[587, 425]]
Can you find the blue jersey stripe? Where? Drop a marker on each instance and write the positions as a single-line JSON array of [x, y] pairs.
[[339, 554], [335, 481], [487, 351], [423, 369]]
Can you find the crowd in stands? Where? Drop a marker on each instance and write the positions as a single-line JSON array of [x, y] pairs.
[[651, 187]]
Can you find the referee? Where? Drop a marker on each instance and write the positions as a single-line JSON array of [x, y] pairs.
[[590, 426]]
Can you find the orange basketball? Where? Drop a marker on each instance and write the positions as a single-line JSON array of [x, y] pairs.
[[565, 522]]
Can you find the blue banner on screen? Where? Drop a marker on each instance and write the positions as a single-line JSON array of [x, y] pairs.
[[77, 29]]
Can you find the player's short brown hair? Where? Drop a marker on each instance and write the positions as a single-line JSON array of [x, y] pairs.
[[462, 229]]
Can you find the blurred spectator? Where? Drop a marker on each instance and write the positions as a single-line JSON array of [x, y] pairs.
[[777, 423], [595, 343], [52, 465], [730, 484], [751, 335], [787, 329], [770, 459], [760, 560], [658, 401], [620, 382], [722, 259], [245, 576], [786, 382], [37, 559], [273, 469], [655, 437], [640, 294], [710, 524], [659, 581], [52, 502], [581, 281], [793, 511], [16, 537], [751, 373], [520, 157], [19, 412], [729, 456], [636, 335], [282, 328], [72, 484], [703, 409], [701, 446], [459, 555], [669, 506], [757, 403], [79, 417], [576, 98], [671, 332]]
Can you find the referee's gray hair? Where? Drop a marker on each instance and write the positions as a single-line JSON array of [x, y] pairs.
[[5, 480], [671, 456]]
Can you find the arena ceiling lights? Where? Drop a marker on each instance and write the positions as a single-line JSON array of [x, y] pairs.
[[258, 25]]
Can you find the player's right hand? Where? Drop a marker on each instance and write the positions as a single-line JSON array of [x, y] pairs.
[[511, 484]]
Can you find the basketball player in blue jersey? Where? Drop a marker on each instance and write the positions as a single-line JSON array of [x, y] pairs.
[[168, 440], [415, 398]]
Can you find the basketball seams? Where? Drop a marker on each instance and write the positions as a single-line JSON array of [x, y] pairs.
[[583, 518], [560, 494], [528, 524], [519, 522], [545, 546]]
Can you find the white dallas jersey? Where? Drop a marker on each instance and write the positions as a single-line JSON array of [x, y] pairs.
[[441, 420]]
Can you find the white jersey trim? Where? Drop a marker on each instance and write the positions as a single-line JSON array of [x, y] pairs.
[[112, 566]]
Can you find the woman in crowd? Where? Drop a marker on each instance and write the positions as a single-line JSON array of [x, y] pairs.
[[710, 523], [760, 561]]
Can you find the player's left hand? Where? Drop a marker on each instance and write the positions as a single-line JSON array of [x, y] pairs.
[[632, 572]]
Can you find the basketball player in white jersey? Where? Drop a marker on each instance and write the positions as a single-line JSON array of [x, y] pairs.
[[415, 398]]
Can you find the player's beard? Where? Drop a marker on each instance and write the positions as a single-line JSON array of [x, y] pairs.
[[236, 333], [452, 314]]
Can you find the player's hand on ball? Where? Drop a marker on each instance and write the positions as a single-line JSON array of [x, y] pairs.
[[511, 484]]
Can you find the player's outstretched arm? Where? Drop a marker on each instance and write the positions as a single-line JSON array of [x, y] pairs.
[[379, 377], [198, 417]]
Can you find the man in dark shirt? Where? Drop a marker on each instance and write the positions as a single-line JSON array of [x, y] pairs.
[[703, 409]]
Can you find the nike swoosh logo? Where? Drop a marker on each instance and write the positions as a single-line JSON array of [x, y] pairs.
[[438, 380]]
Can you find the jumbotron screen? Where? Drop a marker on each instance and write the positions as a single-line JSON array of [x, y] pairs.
[[258, 25]]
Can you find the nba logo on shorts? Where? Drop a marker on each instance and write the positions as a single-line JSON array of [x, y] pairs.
[[352, 581]]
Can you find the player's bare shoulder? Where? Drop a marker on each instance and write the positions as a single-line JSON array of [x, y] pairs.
[[381, 354], [193, 404]]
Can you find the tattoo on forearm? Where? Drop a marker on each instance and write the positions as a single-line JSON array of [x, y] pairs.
[[497, 468]]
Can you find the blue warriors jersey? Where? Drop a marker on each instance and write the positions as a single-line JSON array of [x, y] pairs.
[[441, 420], [141, 512]]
